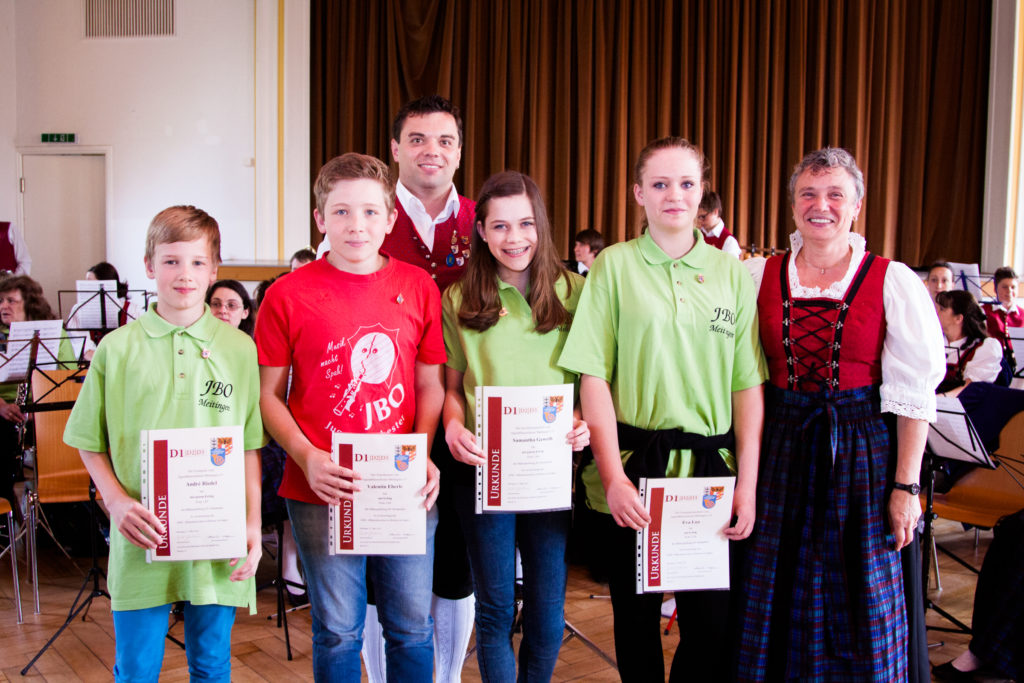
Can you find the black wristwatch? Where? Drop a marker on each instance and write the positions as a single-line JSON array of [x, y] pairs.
[[912, 489]]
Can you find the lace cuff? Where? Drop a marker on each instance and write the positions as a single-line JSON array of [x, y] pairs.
[[911, 404]]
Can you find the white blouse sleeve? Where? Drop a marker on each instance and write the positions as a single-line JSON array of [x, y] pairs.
[[985, 365], [913, 361], [755, 266]]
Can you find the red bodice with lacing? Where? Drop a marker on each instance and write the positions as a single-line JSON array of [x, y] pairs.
[[818, 343]]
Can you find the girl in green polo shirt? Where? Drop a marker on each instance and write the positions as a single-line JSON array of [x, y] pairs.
[[666, 343], [504, 325]]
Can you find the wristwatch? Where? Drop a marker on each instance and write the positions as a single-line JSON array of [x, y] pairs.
[[912, 489]]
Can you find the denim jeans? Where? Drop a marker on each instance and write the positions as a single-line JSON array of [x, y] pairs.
[[491, 540], [337, 596], [139, 642]]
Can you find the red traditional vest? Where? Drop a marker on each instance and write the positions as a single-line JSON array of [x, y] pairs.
[[447, 260], [8, 261], [717, 242], [808, 341], [998, 320], [955, 370]]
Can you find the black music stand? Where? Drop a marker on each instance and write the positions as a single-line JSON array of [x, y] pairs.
[[1015, 340], [952, 437], [80, 605], [99, 306]]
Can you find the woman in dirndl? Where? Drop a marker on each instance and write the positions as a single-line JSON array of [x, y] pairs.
[[854, 352]]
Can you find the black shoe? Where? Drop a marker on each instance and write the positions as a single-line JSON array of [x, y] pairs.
[[298, 600], [948, 672]]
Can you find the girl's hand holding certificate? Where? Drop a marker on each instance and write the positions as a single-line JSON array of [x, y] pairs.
[[579, 437], [462, 443], [625, 505]]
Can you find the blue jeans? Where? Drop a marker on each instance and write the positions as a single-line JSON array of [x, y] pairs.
[[491, 540], [139, 642], [337, 596]]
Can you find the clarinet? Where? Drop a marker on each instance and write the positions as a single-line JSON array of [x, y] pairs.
[[21, 429]]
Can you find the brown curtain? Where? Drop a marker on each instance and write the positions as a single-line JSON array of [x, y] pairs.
[[570, 91]]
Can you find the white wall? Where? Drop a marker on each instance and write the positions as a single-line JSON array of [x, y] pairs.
[[8, 114], [176, 111]]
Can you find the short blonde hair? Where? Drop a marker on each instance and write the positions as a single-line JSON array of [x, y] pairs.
[[183, 224], [352, 166]]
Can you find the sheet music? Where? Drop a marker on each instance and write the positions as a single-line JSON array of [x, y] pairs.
[[967, 276], [953, 435], [952, 355], [1015, 335], [14, 361], [87, 315]]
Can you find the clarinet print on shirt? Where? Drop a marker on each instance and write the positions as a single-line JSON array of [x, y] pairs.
[[361, 369]]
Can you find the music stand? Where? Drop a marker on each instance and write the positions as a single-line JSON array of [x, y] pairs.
[[97, 309], [40, 404], [952, 437], [1015, 340], [968, 277]]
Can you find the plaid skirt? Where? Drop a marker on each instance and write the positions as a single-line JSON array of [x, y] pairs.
[[822, 593]]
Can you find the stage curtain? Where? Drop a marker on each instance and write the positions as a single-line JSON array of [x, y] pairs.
[[570, 91]]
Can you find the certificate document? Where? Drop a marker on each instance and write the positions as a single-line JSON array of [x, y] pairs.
[[684, 547], [193, 480], [385, 517], [529, 462]]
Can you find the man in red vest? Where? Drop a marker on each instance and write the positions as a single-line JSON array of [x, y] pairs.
[[14, 256], [435, 223]]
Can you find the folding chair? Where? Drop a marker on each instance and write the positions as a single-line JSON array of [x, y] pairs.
[[6, 511], [60, 476]]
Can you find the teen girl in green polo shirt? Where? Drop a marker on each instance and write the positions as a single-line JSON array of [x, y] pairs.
[[666, 342], [504, 325]]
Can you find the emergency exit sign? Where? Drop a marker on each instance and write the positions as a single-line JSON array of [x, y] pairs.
[[58, 137]]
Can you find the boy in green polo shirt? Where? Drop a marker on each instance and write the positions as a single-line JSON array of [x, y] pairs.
[[152, 374]]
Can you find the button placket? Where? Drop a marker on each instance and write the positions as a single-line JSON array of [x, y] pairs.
[[180, 365]]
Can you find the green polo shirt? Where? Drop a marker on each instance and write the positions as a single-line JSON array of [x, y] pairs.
[[511, 353], [151, 374], [673, 337]]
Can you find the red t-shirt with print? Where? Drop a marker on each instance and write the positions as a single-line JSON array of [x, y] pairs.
[[353, 342]]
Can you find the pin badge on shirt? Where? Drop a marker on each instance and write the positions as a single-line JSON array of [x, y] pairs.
[[449, 260], [503, 312], [399, 299], [205, 353], [700, 279]]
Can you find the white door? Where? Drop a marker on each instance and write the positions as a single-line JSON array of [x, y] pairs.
[[64, 216]]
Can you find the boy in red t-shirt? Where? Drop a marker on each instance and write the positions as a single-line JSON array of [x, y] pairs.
[[361, 333]]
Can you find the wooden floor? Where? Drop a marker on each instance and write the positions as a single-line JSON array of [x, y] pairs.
[[85, 651]]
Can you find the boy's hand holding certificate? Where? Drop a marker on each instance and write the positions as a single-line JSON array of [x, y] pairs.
[[193, 480], [522, 431], [684, 547], [387, 515]]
